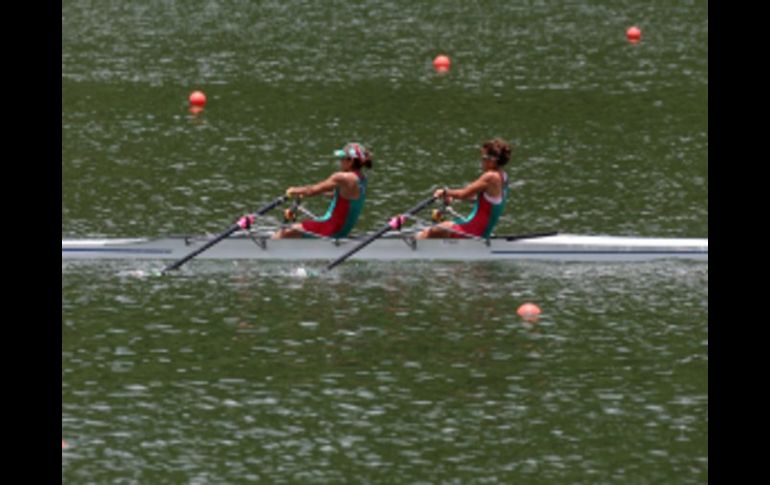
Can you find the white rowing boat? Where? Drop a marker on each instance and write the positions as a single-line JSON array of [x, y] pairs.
[[395, 246]]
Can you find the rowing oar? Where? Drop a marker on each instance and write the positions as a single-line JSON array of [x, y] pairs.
[[394, 223], [243, 223]]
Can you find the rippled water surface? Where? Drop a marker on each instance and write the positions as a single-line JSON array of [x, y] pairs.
[[387, 372], [231, 372]]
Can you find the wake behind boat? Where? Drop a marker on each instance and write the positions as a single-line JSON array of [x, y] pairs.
[[394, 246]]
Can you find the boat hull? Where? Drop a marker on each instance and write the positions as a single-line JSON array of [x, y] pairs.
[[562, 247]]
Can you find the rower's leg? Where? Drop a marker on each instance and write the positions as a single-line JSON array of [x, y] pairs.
[[293, 231], [436, 232]]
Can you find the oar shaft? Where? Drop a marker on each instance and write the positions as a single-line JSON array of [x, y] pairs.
[[378, 234], [187, 258], [361, 246], [262, 210]]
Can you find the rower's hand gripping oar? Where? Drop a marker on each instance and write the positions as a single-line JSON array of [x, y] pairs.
[[290, 214], [437, 215], [243, 223], [394, 224]]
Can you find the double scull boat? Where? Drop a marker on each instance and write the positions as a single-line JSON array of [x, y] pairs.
[[395, 246]]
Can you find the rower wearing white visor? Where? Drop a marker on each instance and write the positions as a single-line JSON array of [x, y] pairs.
[[348, 188]]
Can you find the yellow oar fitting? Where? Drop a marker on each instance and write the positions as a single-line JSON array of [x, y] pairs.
[[289, 215]]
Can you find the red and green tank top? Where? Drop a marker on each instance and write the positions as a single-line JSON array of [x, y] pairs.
[[341, 215], [485, 214]]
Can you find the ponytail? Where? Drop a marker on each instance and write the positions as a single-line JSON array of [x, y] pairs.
[[499, 149], [365, 162]]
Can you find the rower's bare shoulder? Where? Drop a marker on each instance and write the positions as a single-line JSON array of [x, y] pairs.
[[344, 177], [489, 177]]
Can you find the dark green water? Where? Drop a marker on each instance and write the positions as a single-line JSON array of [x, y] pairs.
[[237, 372]]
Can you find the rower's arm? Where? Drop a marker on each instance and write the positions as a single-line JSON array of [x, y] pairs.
[[322, 187], [470, 190]]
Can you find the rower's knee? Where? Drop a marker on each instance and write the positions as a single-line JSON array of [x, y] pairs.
[[293, 231], [430, 233]]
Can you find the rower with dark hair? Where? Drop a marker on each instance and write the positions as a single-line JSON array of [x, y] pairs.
[[348, 189], [490, 191]]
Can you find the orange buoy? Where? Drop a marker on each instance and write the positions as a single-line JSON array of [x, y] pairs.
[[442, 63], [197, 98], [528, 311], [634, 34]]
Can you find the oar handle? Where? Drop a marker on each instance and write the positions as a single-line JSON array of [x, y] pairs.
[[272, 205], [394, 223], [243, 223]]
